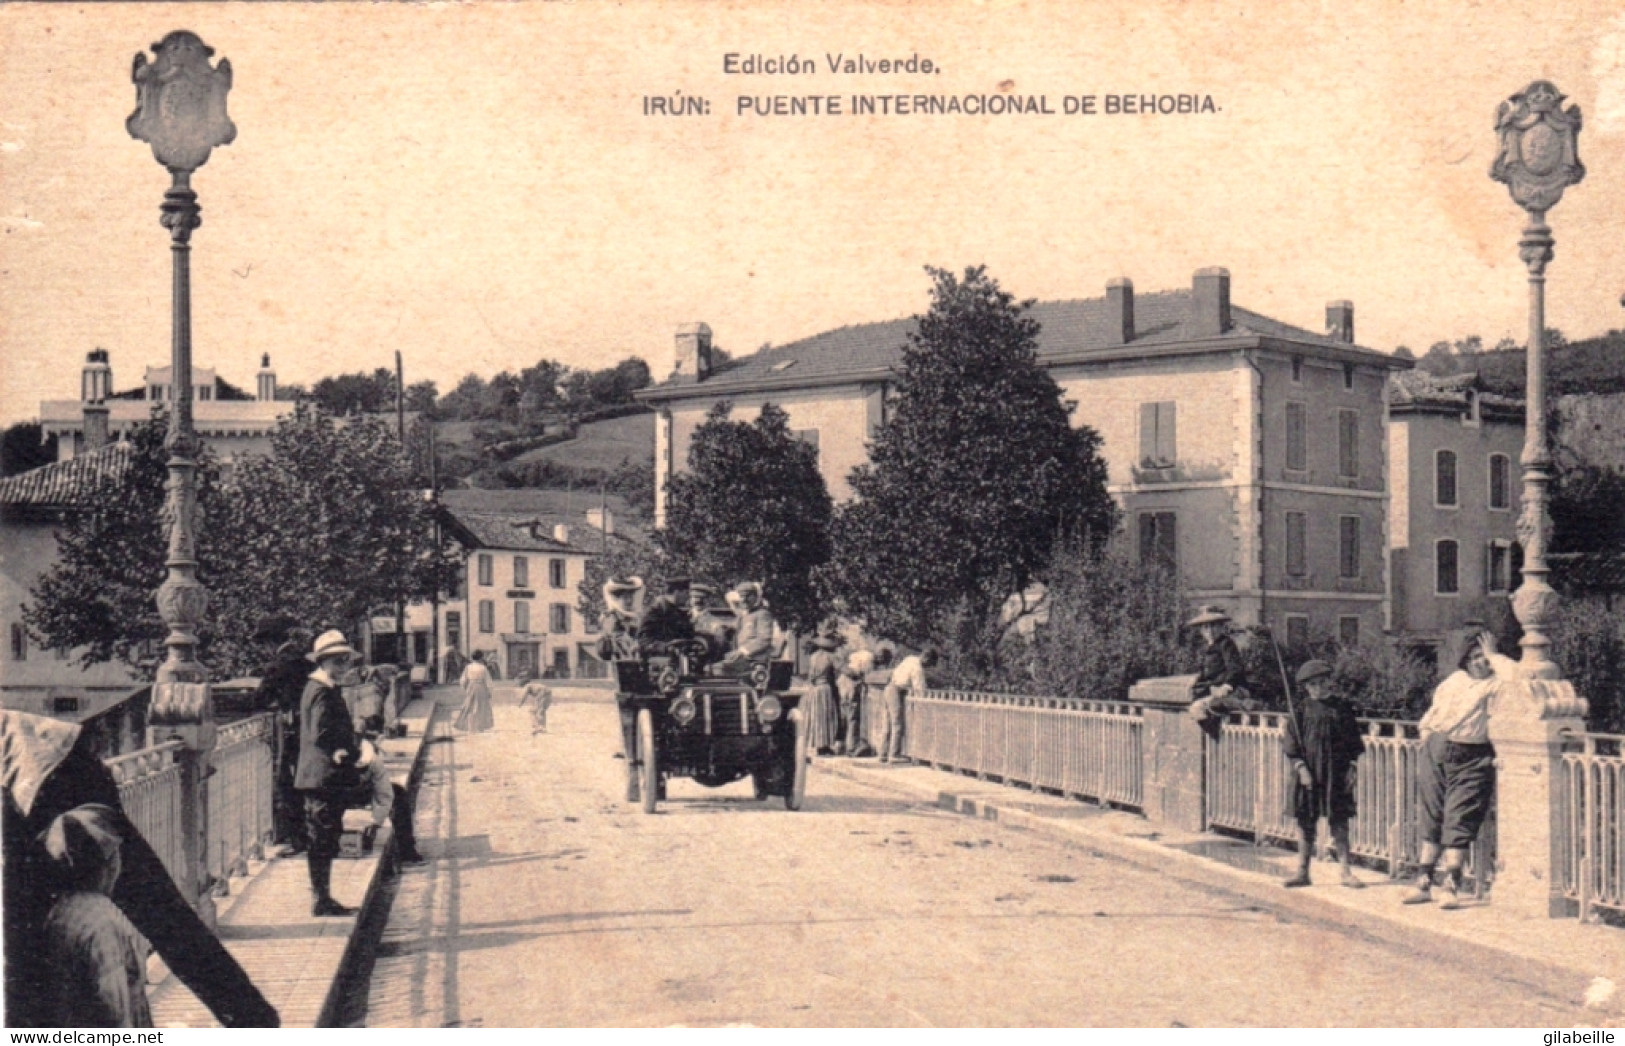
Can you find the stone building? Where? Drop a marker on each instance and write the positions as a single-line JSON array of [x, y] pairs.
[[1453, 515], [33, 505], [232, 427], [1249, 452]]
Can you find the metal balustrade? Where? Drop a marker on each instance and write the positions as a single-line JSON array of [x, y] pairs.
[[149, 787], [1591, 846], [240, 787], [1249, 790], [1082, 748]]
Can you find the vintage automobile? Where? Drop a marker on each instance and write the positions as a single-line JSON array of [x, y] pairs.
[[683, 715]]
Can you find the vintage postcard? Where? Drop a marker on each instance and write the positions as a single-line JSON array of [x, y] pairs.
[[558, 513]]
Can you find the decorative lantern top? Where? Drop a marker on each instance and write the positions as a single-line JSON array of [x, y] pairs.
[[1539, 153], [180, 102]]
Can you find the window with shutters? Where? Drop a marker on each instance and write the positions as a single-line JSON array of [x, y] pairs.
[[488, 616], [1348, 546], [1159, 542], [1158, 442], [1297, 631], [454, 629], [1348, 630], [521, 615], [1297, 437], [521, 573], [1444, 479], [1348, 443], [1297, 544], [19, 642], [1446, 575], [559, 623], [483, 561], [1500, 481], [1297, 370], [555, 573]]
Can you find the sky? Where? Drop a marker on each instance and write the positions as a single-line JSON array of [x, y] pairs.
[[477, 185]]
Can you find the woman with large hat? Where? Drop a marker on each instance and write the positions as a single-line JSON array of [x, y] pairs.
[[824, 718]]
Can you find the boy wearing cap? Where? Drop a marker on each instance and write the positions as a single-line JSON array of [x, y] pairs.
[[1323, 743], [98, 975]]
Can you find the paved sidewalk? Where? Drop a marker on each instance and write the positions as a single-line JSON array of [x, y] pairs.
[[1564, 957], [291, 956]]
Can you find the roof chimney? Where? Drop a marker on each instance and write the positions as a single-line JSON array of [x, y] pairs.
[[95, 426], [265, 388], [96, 380], [1210, 303], [561, 533], [693, 352], [1340, 321], [602, 519], [1119, 311]]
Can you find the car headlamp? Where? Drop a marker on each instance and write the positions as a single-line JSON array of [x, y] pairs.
[[684, 710], [666, 682], [768, 708]]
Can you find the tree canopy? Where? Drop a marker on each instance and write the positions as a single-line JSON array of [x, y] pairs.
[[752, 506], [973, 479], [328, 526], [24, 447]]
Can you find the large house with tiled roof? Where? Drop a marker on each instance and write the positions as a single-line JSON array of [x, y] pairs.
[[526, 553], [1454, 508], [33, 505], [1250, 453]]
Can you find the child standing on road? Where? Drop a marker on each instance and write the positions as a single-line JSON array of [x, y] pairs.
[[1324, 746], [540, 697]]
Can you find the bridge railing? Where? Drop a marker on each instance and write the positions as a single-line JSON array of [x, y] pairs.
[[1248, 789], [149, 787], [1083, 748], [240, 787], [1591, 848]]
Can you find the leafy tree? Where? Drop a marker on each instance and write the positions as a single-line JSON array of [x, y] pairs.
[[1588, 510], [975, 477], [421, 397], [357, 393], [25, 447], [752, 506], [326, 527], [110, 559]]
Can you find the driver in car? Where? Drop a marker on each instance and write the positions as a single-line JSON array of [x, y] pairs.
[[755, 640]]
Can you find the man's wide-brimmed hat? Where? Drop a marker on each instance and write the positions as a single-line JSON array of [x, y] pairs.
[[826, 642], [623, 584], [1312, 670], [331, 644], [1208, 616]]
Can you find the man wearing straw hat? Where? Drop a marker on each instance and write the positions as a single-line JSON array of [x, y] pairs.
[[1221, 685]]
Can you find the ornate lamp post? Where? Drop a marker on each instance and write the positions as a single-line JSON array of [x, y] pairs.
[[181, 112], [1537, 159]]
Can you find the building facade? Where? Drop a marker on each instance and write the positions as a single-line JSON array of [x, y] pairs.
[[1454, 511], [32, 506], [1249, 453], [526, 554], [232, 427]]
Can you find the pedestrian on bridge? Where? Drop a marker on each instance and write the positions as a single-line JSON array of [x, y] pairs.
[[475, 715], [907, 680], [1456, 774], [853, 685], [1323, 743]]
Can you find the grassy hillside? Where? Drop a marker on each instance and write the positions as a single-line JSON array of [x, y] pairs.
[[1592, 365], [603, 444]]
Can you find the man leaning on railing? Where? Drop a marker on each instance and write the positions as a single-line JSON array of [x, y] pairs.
[[1456, 774]]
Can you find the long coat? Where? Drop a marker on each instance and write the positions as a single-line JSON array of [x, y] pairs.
[[1331, 743], [325, 728]]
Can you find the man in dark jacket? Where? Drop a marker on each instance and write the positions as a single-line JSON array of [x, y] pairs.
[[327, 774], [281, 685], [1323, 744]]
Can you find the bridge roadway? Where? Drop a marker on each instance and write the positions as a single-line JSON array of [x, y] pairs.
[[550, 902]]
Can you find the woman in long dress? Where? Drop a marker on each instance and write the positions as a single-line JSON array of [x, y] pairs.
[[475, 715], [823, 707]]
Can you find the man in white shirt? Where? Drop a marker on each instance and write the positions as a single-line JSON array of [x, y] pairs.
[[907, 680], [1456, 774]]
